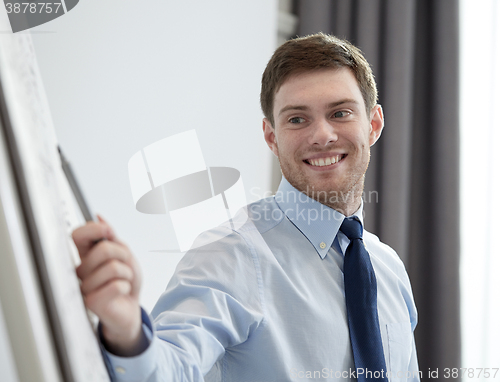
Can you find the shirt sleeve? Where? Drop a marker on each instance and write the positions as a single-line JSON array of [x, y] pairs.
[[212, 303], [132, 368]]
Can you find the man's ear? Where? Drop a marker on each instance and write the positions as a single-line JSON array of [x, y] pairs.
[[376, 123], [270, 135]]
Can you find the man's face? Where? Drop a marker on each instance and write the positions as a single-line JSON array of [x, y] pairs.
[[322, 136]]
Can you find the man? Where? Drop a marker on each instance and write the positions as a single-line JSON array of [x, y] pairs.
[[299, 291]]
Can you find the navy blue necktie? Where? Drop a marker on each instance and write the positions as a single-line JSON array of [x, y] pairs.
[[361, 301]]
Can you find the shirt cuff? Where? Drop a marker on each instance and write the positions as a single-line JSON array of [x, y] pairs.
[[136, 368]]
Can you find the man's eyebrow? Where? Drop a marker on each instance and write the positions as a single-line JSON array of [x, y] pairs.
[[330, 105], [341, 102], [293, 107]]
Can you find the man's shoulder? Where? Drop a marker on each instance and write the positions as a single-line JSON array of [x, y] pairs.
[[381, 250], [261, 215], [257, 217], [265, 214]]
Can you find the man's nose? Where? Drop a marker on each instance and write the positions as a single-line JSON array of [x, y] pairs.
[[323, 133]]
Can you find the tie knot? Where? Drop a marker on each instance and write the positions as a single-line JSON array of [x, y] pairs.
[[352, 228]]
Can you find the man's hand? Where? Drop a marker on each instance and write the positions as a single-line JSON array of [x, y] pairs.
[[110, 286]]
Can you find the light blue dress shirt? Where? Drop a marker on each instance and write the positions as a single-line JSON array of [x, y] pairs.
[[265, 303]]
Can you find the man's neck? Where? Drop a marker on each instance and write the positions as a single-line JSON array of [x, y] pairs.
[[345, 204]]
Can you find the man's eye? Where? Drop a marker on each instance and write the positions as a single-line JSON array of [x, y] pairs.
[[340, 114], [296, 120]]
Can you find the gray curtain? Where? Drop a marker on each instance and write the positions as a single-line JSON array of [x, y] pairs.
[[412, 185]]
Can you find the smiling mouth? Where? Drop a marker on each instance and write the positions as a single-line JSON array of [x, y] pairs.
[[320, 162]]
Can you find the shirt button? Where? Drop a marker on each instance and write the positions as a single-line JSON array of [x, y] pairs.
[[322, 245], [120, 370]]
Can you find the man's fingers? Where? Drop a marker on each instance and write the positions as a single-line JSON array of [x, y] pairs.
[[110, 282], [111, 233], [101, 253], [111, 271], [86, 236]]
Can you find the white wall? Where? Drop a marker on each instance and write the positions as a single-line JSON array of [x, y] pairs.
[[120, 75], [480, 187]]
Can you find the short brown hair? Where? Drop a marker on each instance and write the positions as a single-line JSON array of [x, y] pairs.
[[315, 52]]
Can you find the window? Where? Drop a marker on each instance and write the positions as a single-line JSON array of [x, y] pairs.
[[480, 184]]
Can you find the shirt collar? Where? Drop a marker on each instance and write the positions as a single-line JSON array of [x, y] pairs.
[[319, 223]]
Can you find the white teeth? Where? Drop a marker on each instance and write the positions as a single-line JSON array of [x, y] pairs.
[[325, 161]]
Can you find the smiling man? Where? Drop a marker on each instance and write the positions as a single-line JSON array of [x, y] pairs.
[[323, 135], [300, 290]]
